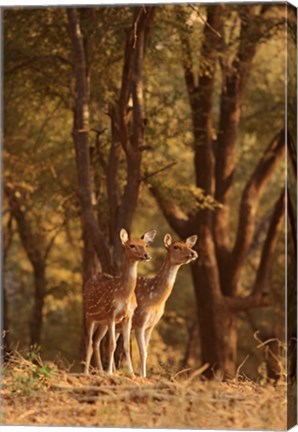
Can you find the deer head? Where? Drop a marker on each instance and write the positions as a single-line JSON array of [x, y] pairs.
[[137, 248], [181, 252]]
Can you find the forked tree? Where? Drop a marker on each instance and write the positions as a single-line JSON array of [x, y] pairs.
[[127, 137], [217, 274]]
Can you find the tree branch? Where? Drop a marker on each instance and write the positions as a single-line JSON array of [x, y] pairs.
[[112, 174], [204, 21], [269, 246], [174, 215], [154, 173], [8, 236], [98, 151], [293, 220], [239, 304], [203, 99], [292, 154], [187, 60], [52, 240], [249, 204], [234, 82]]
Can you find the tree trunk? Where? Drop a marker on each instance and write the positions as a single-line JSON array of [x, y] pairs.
[[37, 252], [217, 323], [39, 295], [128, 126], [7, 239], [5, 344], [92, 235]]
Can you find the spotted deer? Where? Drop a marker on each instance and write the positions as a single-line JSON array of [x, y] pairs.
[[109, 300], [152, 293]]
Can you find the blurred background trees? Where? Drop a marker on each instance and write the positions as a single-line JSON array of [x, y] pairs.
[[169, 117]]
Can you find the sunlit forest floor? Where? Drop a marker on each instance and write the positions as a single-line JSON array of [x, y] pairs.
[[37, 394]]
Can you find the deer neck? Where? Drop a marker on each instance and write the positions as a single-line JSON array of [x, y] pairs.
[[165, 279], [129, 276]]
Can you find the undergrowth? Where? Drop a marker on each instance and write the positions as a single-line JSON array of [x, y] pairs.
[[38, 393]]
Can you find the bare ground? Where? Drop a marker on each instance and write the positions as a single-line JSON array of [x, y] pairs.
[[38, 395]]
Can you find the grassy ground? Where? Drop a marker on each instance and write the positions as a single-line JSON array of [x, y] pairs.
[[38, 394]]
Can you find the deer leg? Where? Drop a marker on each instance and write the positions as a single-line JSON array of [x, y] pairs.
[[90, 329], [148, 332], [114, 364], [126, 326], [112, 345], [99, 334], [140, 336]]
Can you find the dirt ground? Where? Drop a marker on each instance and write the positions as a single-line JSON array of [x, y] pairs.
[[40, 395]]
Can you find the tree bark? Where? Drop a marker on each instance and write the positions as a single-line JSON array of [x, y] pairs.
[[34, 247], [269, 246], [5, 345], [91, 233], [217, 324], [129, 127], [249, 204], [39, 297]]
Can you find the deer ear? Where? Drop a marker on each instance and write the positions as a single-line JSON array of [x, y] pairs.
[[191, 241], [149, 236], [123, 236], [167, 240]]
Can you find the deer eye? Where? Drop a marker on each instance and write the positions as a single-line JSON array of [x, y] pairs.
[[132, 246], [177, 247]]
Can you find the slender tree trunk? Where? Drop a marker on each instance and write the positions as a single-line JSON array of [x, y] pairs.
[[5, 345], [39, 296], [128, 128], [37, 251], [90, 230]]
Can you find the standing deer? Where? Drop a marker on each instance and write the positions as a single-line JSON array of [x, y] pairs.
[[153, 293], [111, 299]]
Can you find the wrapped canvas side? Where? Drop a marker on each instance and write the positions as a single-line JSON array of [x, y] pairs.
[[291, 221]]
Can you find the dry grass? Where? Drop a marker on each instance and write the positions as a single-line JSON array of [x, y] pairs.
[[38, 394]]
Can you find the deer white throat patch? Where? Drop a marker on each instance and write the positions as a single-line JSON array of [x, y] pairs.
[[172, 275]]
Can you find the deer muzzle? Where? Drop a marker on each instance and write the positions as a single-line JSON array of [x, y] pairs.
[[146, 257]]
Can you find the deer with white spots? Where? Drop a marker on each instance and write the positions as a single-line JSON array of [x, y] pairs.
[[152, 293], [109, 300]]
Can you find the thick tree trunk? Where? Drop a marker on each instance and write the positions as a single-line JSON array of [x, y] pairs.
[[217, 322]]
